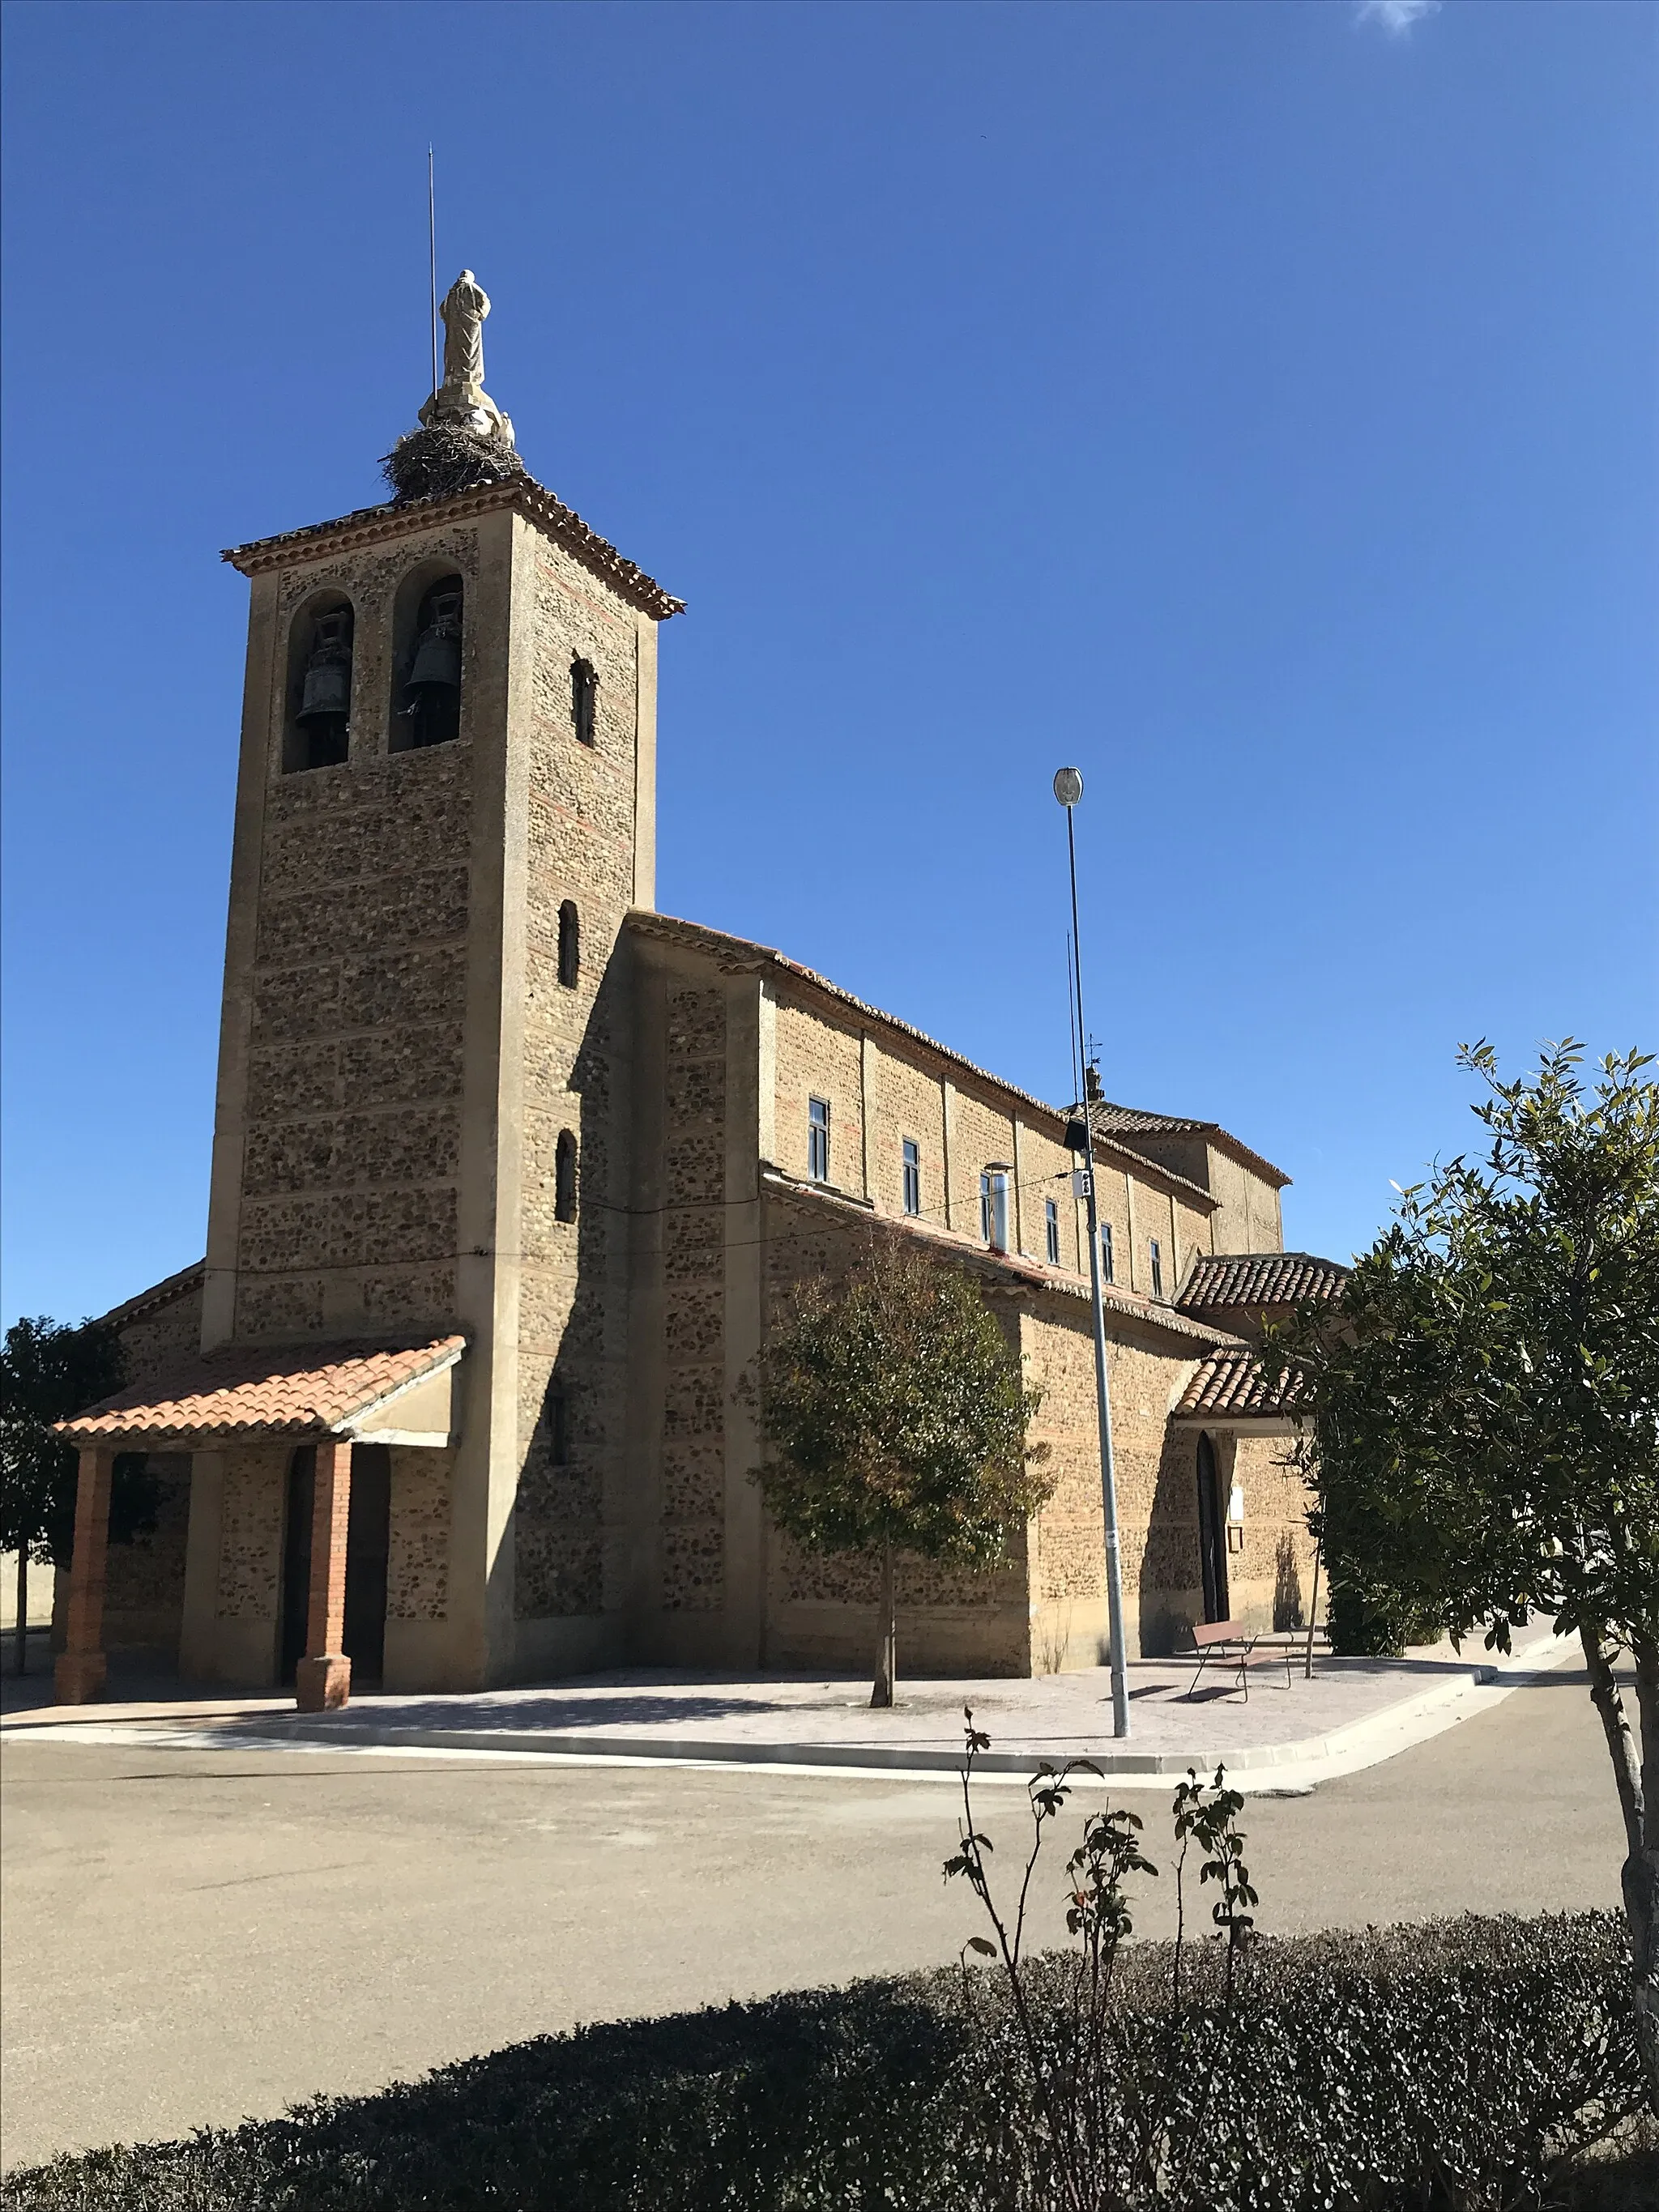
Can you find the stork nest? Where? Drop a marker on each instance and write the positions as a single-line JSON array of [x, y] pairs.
[[438, 462]]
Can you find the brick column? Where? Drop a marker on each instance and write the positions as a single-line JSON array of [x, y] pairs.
[[81, 1666], [323, 1680]]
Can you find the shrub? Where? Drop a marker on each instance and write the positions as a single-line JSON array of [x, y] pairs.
[[1457, 2064]]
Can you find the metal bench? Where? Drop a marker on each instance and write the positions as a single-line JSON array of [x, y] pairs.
[[1235, 1645]]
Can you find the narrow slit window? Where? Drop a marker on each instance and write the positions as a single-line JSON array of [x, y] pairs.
[[570, 946], [584, 700], [912, 1176], [817, 1139], [564, 1176], [1051, 1230], [1156, 1252], [1106, 1272]]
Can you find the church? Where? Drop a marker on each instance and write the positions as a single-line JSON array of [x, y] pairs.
[[511, 1173]]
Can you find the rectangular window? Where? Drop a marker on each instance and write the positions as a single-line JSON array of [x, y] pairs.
[[912, 1176], [994, 1208], [1051, 1225], [1157, 1267], [817, 1139], [1106, 1273]]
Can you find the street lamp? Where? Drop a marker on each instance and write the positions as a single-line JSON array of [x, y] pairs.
[[1068, 789]]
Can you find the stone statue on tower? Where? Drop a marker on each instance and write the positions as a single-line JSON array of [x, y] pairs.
[[461, 399], [466, 304]]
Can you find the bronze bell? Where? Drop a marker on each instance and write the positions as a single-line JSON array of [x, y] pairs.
[[437, 665], [327, 695]]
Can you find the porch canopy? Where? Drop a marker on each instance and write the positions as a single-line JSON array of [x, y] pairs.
[[329, 1395]]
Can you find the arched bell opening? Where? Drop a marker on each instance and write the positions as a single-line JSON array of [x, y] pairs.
[[317, 726], [427, 660]]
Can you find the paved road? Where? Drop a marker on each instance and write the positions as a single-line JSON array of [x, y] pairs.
[[191, 1937]]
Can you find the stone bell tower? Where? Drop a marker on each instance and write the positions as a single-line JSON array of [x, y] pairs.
[[446, 806]]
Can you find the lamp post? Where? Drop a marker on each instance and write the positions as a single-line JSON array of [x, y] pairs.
[[1068, 789]]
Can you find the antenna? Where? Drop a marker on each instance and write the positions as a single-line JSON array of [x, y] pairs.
[[432, 256]]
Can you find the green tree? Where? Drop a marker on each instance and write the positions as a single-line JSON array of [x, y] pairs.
[[1485, 1412], [50, 1369], [896, 1417]]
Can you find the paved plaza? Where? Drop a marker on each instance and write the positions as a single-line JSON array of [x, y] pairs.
[[1282, 1719], [195, 1935]]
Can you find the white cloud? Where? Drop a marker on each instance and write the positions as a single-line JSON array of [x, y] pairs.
[[1395, 17]]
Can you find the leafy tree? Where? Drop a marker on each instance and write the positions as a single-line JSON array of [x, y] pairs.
[[48, 1371], [1485, 1412], [896, 1418]]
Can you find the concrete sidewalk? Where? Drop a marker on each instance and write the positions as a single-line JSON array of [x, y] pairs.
[[1290, 1731]]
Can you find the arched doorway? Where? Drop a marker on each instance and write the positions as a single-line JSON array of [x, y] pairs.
[[1212, 1532], [369, 1533]]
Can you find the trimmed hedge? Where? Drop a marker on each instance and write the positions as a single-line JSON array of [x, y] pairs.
[[1460, 2064]]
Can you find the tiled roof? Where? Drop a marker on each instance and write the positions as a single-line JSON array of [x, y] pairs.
[[164, 1293], [748, 956], [1232, 1382], [302, 1390], [1260, 1278], [368, 524], [1128, 1123]]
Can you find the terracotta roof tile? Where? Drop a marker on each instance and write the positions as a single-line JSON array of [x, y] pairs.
[[1260, 1278], [1128, 1123], [303, 1389], [369, 524], [1232, 1383]]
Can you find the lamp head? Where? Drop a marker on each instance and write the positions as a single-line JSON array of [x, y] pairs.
[[1068, 786]]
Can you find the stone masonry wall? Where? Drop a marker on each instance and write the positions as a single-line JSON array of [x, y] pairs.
[[1069, 1572], [882, 1089], [694, 1301], [904, 1100], [158, 1340], [573, 1279], [347, 1219], [144, 1582], [820, 1610], [1250, 1219], [418, 1565], [251, 1538], [819, 1058]]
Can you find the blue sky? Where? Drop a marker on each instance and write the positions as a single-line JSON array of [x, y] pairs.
[[1252, 403]]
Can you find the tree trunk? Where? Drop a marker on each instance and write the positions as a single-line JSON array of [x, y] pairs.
[[1639, 1875], [1641, 1884], [887, 1650], [22, 1608]]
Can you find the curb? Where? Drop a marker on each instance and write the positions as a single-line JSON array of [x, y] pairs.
[[1299, 1763]]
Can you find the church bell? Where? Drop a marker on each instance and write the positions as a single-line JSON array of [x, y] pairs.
[[437, 664], [326, 694]]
